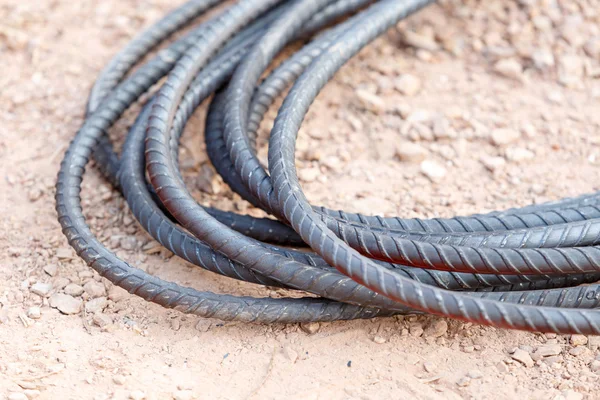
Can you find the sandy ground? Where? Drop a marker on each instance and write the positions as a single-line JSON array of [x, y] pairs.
[[500, 97]]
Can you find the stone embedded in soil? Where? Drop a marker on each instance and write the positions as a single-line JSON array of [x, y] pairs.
[[94, 289], [578, 340], [65, 304], [41, 289], [408, 85], [433, 170], [310, 327], [436, 329], [504, 136], [17, 396], [595, 365], [95, 305], [411, 152], [523, 357]]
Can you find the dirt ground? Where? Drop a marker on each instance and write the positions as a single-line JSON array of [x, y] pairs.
[[500, 98]]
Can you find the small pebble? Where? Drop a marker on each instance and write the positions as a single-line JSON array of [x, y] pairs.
[[371, 101], [137, 395], [464, 381], [95, 305], [429, 366], [420, 41], [509, 68], [94, 289], [475, 374], [73, 289], [468, 349], [548, 350], [41, 289], [493, 163], [64, 253], [17, 396], [502, 367], [411, 152], [408, 85], [310, 327], [101, 320], [51, 269], [416, 330], [437, 329], [433, 170], [128, 243], [578, 340], [519, 154], [523, 357], [290, 354], [578, 351], [34, 312], [379, 340], [32, 393], [572, 395], [65, 303], [117, 294], [504, 136]]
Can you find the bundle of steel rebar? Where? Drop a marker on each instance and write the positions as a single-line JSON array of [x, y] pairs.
[[531, 268]]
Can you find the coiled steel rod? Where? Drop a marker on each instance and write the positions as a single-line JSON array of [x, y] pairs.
[[532, 268]]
